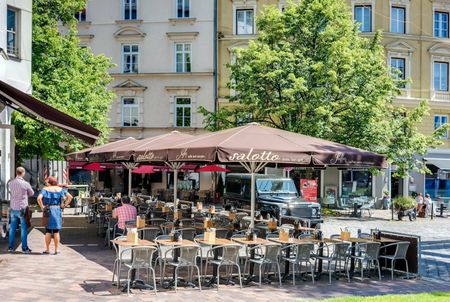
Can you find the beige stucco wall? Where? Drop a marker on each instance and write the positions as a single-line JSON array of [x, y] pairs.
[[156, 31], [418, 46]]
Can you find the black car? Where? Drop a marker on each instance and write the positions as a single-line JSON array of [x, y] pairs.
[[275, 195]]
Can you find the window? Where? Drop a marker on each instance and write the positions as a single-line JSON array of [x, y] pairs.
[[356, 183], [12, 42], [130, 112], [81, 15], [440, 120], [244, 22], [440, 71], [398, 20], [183, 8], [440, 24], [183, 57], [130, 58], [398, 69], [129, 9], [363, 16], [183, 112]]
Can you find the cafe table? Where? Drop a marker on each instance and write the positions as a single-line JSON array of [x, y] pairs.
[[251, 243], [214, 243], [124, 244]]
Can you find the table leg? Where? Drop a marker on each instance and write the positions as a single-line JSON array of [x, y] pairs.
[[286, 264]]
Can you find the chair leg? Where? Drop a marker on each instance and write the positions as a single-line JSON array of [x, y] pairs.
[[128, 281], [239, 272], [260, 274], [218, 276], [199, 278], [378, 267], [312, 271], [362, 269], [154, 280], [279, 273], [114, 270], [329, 272], [407, 269], [176, 277], [119, 270], [163, 272], [293, 273], [392, 269]]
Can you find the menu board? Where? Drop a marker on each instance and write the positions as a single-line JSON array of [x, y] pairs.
[[308, 189]]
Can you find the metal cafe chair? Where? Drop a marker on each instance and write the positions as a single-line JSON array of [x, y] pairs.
[[163, 257], [301, 253], [368, 253], [123, 255], [229, 258], [401, 248], [149, 233], [337, 253], [204, 249], [270, 256], [187, 259], [141, 259], [188, 233]]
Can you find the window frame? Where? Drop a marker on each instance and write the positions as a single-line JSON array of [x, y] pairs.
[[437, 11], [447, 80], [403, 74], [124, 10], [15, 52], [184, 61], [364, 5], [79, 15], [440, 123], [183, 9], [182, 106], [131, 53], [244, 9], [130, 107], [404, 18]]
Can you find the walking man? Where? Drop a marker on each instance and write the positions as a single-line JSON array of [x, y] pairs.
[[20, 191]]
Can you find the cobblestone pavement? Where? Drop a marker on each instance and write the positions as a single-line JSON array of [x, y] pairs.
[[82, 272]]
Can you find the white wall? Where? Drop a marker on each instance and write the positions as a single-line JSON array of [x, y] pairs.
[[105, 31], [16, 72]]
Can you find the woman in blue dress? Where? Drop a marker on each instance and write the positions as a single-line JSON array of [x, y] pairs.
[[51, 199]]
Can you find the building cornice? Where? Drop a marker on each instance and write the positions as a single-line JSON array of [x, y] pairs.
[[174, 21], [189, 88], [162, 74]]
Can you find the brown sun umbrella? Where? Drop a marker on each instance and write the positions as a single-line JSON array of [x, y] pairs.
[[255, 146]]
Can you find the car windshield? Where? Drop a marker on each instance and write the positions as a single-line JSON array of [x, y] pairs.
[[285, 186]]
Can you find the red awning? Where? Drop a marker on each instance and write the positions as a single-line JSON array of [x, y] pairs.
[[32, 107]]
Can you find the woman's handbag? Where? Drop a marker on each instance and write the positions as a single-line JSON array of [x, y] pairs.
[[45, 216]]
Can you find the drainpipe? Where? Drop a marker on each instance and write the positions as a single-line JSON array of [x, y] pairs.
[[215, 57]]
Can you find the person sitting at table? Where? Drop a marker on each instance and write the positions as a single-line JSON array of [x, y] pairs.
[[124, 213]]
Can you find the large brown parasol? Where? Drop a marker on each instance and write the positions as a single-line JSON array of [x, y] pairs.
[[255, 146]]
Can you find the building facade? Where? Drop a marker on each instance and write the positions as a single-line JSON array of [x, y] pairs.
[[416, 38], [164, 61], [15, 70]]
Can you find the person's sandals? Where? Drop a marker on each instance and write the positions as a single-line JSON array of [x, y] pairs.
[[57, 252], [46, 252]]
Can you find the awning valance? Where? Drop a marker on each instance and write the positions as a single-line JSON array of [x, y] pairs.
[[34, 108]]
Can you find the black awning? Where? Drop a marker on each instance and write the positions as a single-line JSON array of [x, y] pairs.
[[34, 108]]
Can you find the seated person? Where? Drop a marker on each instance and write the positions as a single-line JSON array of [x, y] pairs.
[[124, 213]]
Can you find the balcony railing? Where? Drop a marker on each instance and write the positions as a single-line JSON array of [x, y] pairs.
[[440, 96]]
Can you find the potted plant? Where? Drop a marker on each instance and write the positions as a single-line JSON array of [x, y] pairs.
[[405, 206]]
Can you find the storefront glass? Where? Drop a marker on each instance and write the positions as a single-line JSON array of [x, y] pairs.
[[356, 183], [438, 185]]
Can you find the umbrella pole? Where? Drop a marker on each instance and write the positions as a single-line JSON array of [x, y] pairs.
[[129, 182], [175, 185], [253, 196]]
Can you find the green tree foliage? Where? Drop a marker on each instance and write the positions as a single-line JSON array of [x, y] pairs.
[[309, 71], [64, 76]]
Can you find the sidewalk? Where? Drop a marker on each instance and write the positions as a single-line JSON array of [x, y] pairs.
[[82, 272]]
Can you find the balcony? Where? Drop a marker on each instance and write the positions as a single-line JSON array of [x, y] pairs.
[[440, 96]]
